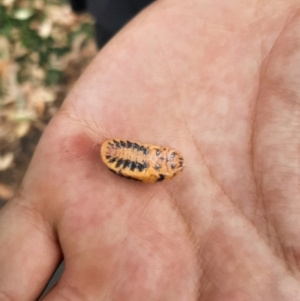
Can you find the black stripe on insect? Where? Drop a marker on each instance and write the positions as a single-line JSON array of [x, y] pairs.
[[117, 144], [132, 166], [135, 145], [161, 178], [136, 165], [140, 167], [123, 144], [112, 160], [126, 163], [145, 150], [119, 163]]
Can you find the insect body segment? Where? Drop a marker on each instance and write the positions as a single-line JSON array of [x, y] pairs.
[[141, 162]]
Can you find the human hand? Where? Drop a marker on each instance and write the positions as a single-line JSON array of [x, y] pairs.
[[217, 80]]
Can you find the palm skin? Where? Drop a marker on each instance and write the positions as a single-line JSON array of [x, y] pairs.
[[218, 81]]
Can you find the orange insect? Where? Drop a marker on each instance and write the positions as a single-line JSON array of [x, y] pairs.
[[142, 162]]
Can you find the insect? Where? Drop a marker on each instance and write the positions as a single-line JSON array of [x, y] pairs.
[[142, 162]]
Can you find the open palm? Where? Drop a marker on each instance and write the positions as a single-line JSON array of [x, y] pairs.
[[217, 80]]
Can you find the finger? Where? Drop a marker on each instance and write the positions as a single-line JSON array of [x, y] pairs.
[[29, 252]]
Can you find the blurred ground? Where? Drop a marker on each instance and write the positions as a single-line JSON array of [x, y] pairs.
[[44, 48]]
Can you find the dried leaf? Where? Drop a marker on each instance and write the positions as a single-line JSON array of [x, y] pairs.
[[45, 29], [38, 97], [5, 51], [39, 107], [6, 161], [59, 36], [38, 4], [77, 43], [8, 3], [19, 50], [23, 115], [58, 63], [42, 94], [6, 131], [34, 57], [6, 192], [48, 95], [10, 80], [61, 15], [22, 129], [4, 62], [15, 34], [38, 75], [3, 67]]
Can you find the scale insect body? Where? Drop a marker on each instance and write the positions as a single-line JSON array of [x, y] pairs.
[[142, 162]]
